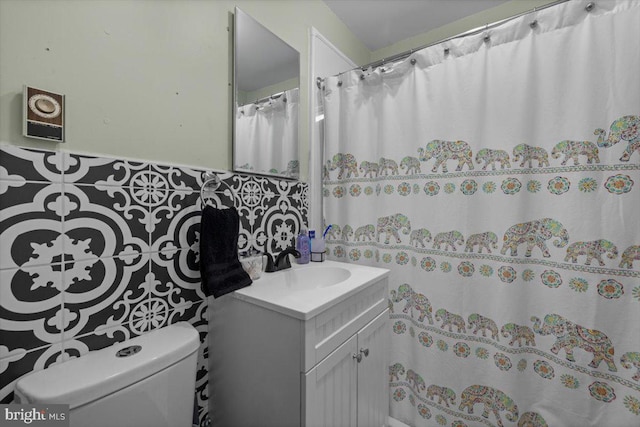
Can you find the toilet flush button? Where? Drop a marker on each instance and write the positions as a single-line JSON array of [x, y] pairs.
[[128, 351]]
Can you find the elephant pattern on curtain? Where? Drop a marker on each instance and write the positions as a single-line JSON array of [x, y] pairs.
[[499, 182]]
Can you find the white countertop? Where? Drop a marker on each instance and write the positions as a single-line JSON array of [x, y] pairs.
[[283, 291]]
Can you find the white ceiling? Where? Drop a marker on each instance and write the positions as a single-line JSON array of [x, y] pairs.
[[381, 23]]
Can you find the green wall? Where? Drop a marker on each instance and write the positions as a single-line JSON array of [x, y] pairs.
[[251, 97], [151, 79], [145, 79]]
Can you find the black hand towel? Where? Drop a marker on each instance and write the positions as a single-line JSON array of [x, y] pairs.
[[220, 267]]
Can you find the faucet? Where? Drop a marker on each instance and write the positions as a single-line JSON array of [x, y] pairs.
[[281, 261]]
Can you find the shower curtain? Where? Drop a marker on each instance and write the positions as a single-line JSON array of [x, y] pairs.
[[498, 177], [268, 132]]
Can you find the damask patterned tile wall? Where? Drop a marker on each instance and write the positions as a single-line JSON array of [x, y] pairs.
[[96, 250]]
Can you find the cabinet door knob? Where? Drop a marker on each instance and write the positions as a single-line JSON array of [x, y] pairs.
[[364, 351], [358, 357]]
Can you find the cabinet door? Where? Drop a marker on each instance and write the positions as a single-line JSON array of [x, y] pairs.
[[373, 381], [331, 387]]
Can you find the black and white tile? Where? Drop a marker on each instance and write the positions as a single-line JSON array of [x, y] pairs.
[[28, 164], [175, 221], [31, 308], [106, 221], [179, 178], [96, 250], [106, 292], [105, 172], [174, 281], [31, 224]]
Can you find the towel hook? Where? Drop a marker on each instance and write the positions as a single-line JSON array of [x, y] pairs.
[[211, 184]]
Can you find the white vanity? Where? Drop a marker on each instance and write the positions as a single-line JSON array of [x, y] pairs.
[[302, 347]]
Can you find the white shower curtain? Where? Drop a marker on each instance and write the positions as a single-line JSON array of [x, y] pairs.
[[267, 135], [498, 176]]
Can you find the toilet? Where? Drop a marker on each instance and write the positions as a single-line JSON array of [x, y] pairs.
[[145, 381]]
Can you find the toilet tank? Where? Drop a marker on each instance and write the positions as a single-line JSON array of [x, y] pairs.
[[145, 381]]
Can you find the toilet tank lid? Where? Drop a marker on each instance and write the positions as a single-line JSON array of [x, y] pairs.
[[99, 373]]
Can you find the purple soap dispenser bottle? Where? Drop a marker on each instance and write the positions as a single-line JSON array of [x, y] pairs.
[[302, 245]]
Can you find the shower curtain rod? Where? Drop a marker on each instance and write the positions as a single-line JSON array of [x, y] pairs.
[[267, 98], [270, 97], [402, 55]]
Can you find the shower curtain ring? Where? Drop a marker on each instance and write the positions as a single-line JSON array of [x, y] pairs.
[[589, 7], [534, 23]]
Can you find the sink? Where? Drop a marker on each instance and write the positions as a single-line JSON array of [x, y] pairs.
[[306, 290], [314, 277]]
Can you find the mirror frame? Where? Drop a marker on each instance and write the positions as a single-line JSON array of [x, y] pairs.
[[235, 99]]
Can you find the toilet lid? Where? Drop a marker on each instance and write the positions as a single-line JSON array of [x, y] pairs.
[[99, 373]]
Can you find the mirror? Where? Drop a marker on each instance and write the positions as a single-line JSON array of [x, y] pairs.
[[266, 99]]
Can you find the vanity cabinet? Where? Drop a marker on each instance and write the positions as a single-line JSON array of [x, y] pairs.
[[350, 386], [270, 366]]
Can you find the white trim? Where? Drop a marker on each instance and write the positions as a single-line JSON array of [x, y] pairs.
[[392, 422], [316, 147], [316, 33]]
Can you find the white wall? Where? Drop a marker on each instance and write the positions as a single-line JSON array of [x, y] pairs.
[[494, 14]]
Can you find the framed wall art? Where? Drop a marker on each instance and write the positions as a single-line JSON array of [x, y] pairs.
[[43, 114]]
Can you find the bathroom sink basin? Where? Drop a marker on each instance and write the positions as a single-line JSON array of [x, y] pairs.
[[310, 278], [306, 290]]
